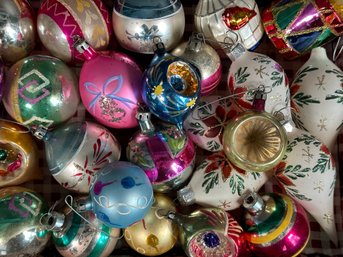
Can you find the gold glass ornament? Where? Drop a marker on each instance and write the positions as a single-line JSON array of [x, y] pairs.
[[154, 235], [18, 155]]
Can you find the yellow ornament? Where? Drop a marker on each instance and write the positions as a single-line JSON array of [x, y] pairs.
[[154, 235]]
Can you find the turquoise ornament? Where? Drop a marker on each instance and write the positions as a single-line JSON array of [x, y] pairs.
[[121, 195], [171, 86]]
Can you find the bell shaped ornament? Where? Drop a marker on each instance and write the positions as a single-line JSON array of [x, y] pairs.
[[315, 92], [76, 151], [240, 21], [166, 154], [136, 23], [171, 86]]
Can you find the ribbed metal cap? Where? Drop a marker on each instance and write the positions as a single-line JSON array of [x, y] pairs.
[[186, 196], [253, 203]]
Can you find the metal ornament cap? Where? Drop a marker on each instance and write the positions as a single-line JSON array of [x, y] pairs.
[[186, 196]]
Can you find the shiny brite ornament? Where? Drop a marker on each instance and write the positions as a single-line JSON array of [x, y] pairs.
[[76, 151], [18, 30], [113, 95], [136, 23], [60, 21], [165, 153], [171, 86], [41, 90], [121, 195], [206, 123]]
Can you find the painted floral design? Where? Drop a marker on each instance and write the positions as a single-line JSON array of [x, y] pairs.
[[92, 163], [241, 75], [239, 93], [139, 154], [157, 91], [174, 138]]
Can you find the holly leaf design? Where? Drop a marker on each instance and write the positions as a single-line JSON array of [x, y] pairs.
[[300, 75], [295, 193], [277, 77], [213, 145], [241, 75], [322, 163], [338, 73], [210, 180], [297, 121], [301, 99], [262, 59], [295, 172], [256, 175], [236, 184], [338, 95]]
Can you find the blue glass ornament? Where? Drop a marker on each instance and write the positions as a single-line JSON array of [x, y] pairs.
[[120, 195], [171, 86]]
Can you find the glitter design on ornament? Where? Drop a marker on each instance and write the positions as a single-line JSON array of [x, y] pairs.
[[10, 161], [110, 110], [22, 204], [237, 17], [145, 37]]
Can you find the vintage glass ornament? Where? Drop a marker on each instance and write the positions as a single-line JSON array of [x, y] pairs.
[[76, 151], [275, 225], [41, 90], [252, 71], [121, 195], [136, 23], [204, 232], [113, 95], [153, 235], [166, 154], [60, 21], [316, 98], [73, 236], [255, 140], [21, 233], [308, 174], [237, 20], [218, 183], [171, 86], [18, 155], [18, 30], [205, 125], [205, 58], [295, 27]]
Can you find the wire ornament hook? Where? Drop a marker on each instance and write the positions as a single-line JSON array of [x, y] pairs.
[[336, 53]]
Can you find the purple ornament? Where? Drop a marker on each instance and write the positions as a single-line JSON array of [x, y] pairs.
[[166, 154]]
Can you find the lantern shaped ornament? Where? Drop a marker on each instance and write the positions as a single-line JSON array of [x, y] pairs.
[[166, 154], [18, 30], [136, 23], [255, 140], [295, 27], [171, 86], [76, 151], [59, 21], [275, 225], [41, 90], [121, 195], [18, 155], [112, 96], [205, 58], [238, 20]]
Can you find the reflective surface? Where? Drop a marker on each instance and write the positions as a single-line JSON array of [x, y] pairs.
[[18, 31]]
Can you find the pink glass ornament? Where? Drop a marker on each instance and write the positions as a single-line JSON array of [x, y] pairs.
[[275, 225], [165, 153], [110, 87], [59, 21]]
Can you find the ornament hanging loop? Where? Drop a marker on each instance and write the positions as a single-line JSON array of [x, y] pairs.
[[336, 53]]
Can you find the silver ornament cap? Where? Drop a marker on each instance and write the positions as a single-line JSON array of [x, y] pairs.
[[186, 196]]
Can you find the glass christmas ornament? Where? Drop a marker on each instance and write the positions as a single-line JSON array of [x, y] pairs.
[[18, 155], [255, 140], [205, 58], [205, 125], [295, 27], [166, 154], [21, 233], [153, 235], [18, 30], [73, 236], [237, 20], [41, 90], [113, 95], [121, 195], [307, 173], [171, 86], [315, 92], [216, 182], [76, 151], [275, 225], [136, 23], [204, 233], [249, 71], [60, 21]]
